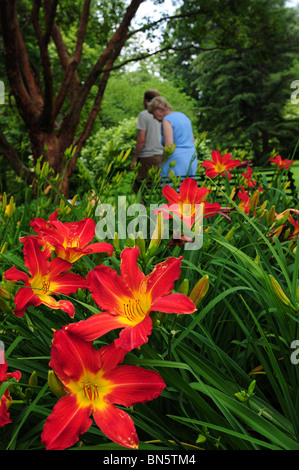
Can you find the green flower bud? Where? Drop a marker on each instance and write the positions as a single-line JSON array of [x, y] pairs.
[[199, 290], [55, 384]]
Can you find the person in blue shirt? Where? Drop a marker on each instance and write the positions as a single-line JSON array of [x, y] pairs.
[[176, 130]]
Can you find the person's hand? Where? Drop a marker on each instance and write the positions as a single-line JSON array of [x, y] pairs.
[[132, 165]]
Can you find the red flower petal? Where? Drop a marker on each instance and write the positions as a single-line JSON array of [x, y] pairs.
[[170, 194], [107, 288], [134, 337], [64, 305], [58, 266], [3, 370], [174, 303], [14, 274], [132, 385], [83, 229], [189, 191], [211, 173], [34, 258], [211, 209], [111, 356], [64, 425], [96, 326], [70, 356], [23, 299], [161, 280], [4, 414], [129, 269], [117, 425]]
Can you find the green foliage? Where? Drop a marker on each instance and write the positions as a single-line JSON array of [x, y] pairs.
[[121, 103], [230, 382], [242, 76]]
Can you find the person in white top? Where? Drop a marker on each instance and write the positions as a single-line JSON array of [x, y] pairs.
[[149, 148]]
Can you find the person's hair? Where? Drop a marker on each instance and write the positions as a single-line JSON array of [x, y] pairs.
[[159, 103], [150, 94]]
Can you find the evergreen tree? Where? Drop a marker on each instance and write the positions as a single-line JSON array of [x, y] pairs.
[[243, 82]]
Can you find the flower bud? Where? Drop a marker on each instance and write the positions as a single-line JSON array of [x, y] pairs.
[[199, 290], [230, 234], [33, 380], [116, 241], [254, 201], [73, 203], [45, 170], [282, 218], [251, 388], [109, 168], [10, 208], [184, 287], [4, 247], [124, 158], [270, 216], [141, 244], [4, 199], [158, 232], [4, 293], [261, 209], [242, 396], [55, 384], [279, 292]]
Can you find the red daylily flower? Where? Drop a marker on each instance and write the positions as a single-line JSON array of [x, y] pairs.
[[220, 164], [6, 399], [47, 278], [69, 240], [249, 182], [282, 164], [186, 203], [95, 383], [295, 224], [128, 299], [245, 200]]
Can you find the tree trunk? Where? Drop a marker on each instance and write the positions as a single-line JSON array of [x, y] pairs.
[[39, 108]]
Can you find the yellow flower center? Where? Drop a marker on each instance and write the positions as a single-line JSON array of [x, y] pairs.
[[40, 285], [187, 210], [135, 310], [91, 390], [219, 167], [72, 242]]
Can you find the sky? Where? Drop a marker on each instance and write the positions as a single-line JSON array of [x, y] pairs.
[[153, 11], [147, 8]]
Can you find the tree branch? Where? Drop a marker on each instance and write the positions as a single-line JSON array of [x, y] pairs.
[[46, 119], [82, 31], [166, 18], [13, 48], [50, 12], [163, 49], [12, 157], [110, 54], [73, 64]]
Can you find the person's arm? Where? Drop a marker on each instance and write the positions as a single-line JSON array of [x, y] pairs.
[[139, 146], [167, 135]]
